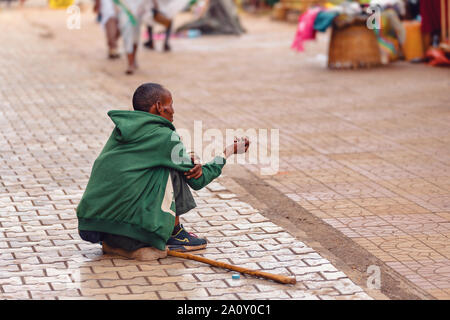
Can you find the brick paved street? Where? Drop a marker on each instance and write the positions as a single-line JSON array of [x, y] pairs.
[[367, 152]]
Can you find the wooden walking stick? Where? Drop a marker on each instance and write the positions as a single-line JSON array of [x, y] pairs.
[[256, 273]]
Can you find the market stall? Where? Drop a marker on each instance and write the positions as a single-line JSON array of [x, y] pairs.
[[367, 34]]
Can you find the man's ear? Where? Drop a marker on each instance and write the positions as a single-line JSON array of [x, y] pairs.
[[159, 107]]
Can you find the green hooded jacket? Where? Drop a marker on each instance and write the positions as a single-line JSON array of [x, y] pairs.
[[129, 192]]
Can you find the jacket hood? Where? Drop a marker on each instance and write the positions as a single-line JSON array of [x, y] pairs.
[[131, 125]]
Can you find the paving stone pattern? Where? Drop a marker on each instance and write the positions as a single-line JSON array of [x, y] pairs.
[[52, 126], [367, 151]]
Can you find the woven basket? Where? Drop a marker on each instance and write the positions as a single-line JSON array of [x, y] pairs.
[[354, 46], [279, 12]]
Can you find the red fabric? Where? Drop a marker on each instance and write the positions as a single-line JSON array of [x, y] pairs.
[[437, 57], [430, 12], [305, 29]]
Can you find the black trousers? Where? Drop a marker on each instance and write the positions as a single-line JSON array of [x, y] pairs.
[[184, 201]]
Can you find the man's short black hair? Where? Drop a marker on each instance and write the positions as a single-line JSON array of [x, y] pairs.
[[148, 94]]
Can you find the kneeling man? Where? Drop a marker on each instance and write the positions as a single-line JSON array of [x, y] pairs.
[[139, 184]]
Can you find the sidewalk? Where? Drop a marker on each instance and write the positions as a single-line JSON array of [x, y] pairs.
[[53, 125], [365, 152]]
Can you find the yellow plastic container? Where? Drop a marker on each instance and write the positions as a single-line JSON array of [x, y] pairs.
[[60, 4], [413, 47]]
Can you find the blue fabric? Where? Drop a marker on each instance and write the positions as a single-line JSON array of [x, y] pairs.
[[324, 19]]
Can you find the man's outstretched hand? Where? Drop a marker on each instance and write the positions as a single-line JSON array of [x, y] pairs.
[[239, 146]]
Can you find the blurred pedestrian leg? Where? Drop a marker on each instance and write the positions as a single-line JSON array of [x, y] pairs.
[[167, 37], [112, 35], [149, 43], [131, 13], [430, 12], [108, 19]]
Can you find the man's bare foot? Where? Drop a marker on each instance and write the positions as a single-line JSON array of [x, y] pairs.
[[142, 254]]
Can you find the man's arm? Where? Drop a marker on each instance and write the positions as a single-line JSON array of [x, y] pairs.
[[174, 156], [208, 173], [200, 176]]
